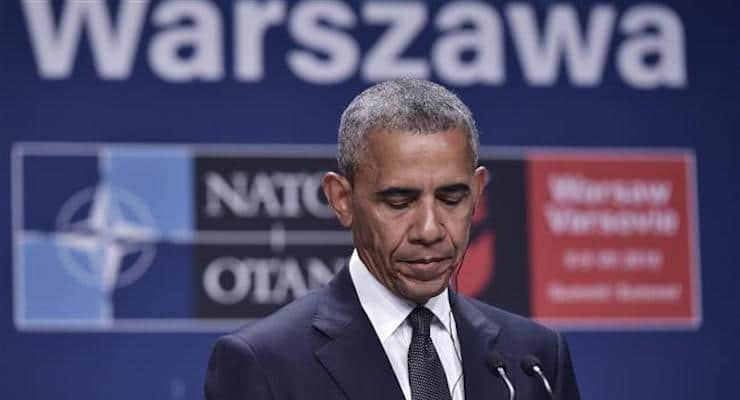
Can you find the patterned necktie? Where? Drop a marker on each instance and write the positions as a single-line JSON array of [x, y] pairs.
[[426, 375]]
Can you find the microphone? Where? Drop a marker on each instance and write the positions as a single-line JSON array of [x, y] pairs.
[[532, 366], [495, 363]]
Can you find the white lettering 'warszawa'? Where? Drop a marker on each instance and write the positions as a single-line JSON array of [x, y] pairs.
[[469, 43]]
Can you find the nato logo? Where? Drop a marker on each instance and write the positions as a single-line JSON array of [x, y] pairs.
[[91, 223], [175, 238]]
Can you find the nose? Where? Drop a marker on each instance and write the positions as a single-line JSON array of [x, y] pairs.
[[428, 228]]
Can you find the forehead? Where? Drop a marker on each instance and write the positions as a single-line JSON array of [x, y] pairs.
[[398, 158]]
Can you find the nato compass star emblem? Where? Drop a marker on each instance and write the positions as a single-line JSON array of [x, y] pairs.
[[106, 237], [92, 219]]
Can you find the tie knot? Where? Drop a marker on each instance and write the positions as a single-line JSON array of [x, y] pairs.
[[420, 320]]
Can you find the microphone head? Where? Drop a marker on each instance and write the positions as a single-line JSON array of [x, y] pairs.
[[494, 361], [529, 362]]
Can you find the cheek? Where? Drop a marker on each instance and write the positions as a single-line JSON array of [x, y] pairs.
[[458, 226], [389, 232], [377, 230]]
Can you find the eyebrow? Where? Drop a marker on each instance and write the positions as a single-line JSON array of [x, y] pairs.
[[454, 188], [394, 191]]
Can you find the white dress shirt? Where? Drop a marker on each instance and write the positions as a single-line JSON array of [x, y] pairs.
[[387, 313]]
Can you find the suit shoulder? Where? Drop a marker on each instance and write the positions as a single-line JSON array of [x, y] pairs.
[[267, 350], [291, 321]]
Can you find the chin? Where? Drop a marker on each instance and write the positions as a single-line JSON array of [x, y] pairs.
[[419, 294]]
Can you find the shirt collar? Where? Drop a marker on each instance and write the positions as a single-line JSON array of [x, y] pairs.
[[386, 310]]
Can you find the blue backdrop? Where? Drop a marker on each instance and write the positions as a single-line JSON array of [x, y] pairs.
[[651, 75]]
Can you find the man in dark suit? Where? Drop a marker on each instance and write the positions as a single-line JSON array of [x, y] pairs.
[[388, 326]]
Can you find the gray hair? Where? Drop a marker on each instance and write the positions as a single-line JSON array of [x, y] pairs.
[[408, 105]]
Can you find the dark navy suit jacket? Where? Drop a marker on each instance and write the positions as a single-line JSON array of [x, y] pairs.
[[323, 346]]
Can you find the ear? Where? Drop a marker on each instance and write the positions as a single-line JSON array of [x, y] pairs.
[[338, 192], [480, 180]]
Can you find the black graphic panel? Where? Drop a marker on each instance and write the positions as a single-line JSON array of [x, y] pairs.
[[251, 281], [507, 202]]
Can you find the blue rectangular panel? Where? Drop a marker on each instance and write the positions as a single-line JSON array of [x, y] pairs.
[[49, 182], [160, 178], [66, 290]]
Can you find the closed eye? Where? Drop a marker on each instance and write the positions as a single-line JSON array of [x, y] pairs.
[[398, 198], [453, 194], [397, 204], [453, 200]]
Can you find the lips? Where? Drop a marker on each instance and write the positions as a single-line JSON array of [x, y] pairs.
[[424, 260], [424, 268]]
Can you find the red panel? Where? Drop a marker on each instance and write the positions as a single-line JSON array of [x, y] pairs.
[[611, 239]]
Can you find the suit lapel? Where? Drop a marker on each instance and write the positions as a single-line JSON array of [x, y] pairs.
[[353, 356], [477, 336], [355, 359]]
